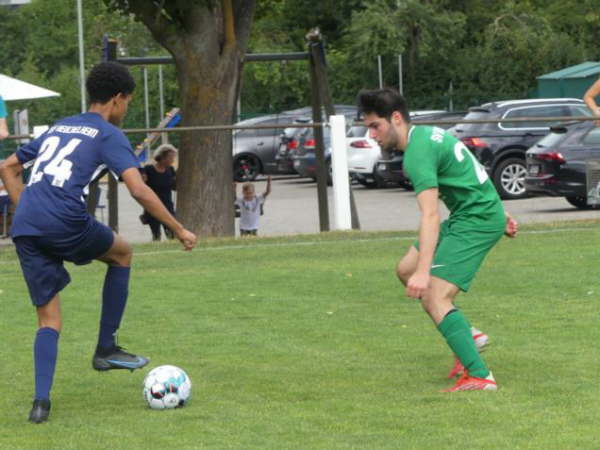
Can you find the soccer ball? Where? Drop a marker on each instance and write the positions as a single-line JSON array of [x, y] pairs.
[[167, 387]]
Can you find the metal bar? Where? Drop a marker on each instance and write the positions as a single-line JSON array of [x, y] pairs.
[[81, 56], [324, 124], [380, 71], [164, 138], [250, 57], [113, 203], [400, 79]]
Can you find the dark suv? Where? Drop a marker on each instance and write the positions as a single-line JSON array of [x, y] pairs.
[[557, 164], [501, 147]]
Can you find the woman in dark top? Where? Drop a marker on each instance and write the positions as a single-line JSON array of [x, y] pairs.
[[160, 176]]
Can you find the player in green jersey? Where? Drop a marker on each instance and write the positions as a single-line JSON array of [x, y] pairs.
[[447, 255]]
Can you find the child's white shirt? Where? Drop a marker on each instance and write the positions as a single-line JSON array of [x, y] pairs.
[[250, 211]]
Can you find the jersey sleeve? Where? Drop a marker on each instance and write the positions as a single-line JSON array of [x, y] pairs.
[[29, 151], [422, 168], [261, 199], [238, 201], [117, 154]]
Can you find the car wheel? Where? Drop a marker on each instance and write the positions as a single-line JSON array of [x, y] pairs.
[[246, 168], [578, 202], [406, 184], [509, 178]]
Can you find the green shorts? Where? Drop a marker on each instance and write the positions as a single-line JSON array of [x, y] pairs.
[[460, 252]]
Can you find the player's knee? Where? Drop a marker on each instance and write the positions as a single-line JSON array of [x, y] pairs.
[[403, 272], [123, 258], [120, 255]]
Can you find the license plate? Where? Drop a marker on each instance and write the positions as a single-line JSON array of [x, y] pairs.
[[534, 169], [282, 149], [296, 163]]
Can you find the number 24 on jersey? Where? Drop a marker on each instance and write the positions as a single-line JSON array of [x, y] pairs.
[[54, 164]]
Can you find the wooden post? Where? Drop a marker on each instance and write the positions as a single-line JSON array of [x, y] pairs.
[[110, 54], [317, 53], [319, 151]]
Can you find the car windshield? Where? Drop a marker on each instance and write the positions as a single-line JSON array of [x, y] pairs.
[[357, 131], [551, 140]]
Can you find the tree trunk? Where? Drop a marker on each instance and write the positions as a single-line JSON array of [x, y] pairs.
[[208, 42], [205, 193]]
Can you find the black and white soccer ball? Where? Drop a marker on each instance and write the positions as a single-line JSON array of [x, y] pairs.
[[167, 387]]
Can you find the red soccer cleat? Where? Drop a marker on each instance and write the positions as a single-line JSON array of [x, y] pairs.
[[469, 383], [457, 369]]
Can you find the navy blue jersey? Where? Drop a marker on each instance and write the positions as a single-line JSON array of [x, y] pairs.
[[71, 154]]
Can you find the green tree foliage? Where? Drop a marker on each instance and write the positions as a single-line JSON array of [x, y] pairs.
[[488, 49]]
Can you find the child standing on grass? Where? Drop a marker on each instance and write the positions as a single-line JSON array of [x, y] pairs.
[[250, 206]]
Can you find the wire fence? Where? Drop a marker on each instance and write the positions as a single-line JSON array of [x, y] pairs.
[[555, 120]]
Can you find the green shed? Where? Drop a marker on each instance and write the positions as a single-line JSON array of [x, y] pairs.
[[569, 82]]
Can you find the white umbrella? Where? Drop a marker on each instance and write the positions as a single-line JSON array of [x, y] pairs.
[[13, 89]]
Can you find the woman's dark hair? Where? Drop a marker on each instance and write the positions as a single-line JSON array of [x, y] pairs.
[[382, 102], [108, 79]]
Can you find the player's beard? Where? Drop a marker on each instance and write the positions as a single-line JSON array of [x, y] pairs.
[[393, 140]]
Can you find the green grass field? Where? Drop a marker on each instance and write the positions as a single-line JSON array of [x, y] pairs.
[[309, 342]]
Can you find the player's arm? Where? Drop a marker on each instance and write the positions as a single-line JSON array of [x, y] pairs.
[[3, 129], [512, 226], [146, 197], [590, 98], [10, 173], [429, 229], [268, 191]]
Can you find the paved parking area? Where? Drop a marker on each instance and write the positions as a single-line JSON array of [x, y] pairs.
[[292, 208]]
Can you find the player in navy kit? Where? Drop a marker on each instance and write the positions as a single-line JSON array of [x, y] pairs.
[[51, 223]]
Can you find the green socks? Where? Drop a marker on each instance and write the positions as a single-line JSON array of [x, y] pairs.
[[457, 332]]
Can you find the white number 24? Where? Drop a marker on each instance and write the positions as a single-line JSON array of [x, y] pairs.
[[460, 150], [58, 166]]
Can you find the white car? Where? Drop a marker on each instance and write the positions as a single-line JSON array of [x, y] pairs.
[[363, 154]]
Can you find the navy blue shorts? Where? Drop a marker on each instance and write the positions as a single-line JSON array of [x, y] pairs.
[[42, 258]]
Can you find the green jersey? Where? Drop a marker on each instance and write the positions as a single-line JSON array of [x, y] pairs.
[[434, 158]]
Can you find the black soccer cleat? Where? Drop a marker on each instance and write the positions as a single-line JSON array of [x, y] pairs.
[[116, 358], [39, 411]]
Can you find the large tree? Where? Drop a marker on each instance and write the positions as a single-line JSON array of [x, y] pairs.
[[207, 39]]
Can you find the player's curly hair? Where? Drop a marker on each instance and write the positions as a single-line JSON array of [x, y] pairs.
[[108, 79], [383, 102]]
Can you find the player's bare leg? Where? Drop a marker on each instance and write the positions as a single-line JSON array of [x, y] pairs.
[[438, 302], [108, 354], [45, 351], [407, 265], [404, 270]]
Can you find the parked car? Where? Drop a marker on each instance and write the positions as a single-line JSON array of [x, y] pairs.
[[389, 171], [289, 142], [556, 165], [304, 157], [254, 149], [501, 147]]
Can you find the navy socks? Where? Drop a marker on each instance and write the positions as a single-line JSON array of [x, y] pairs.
[[45, 350], [114, 299]]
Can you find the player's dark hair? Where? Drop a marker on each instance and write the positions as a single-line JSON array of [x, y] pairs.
[[382, 102], [107, 80]]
